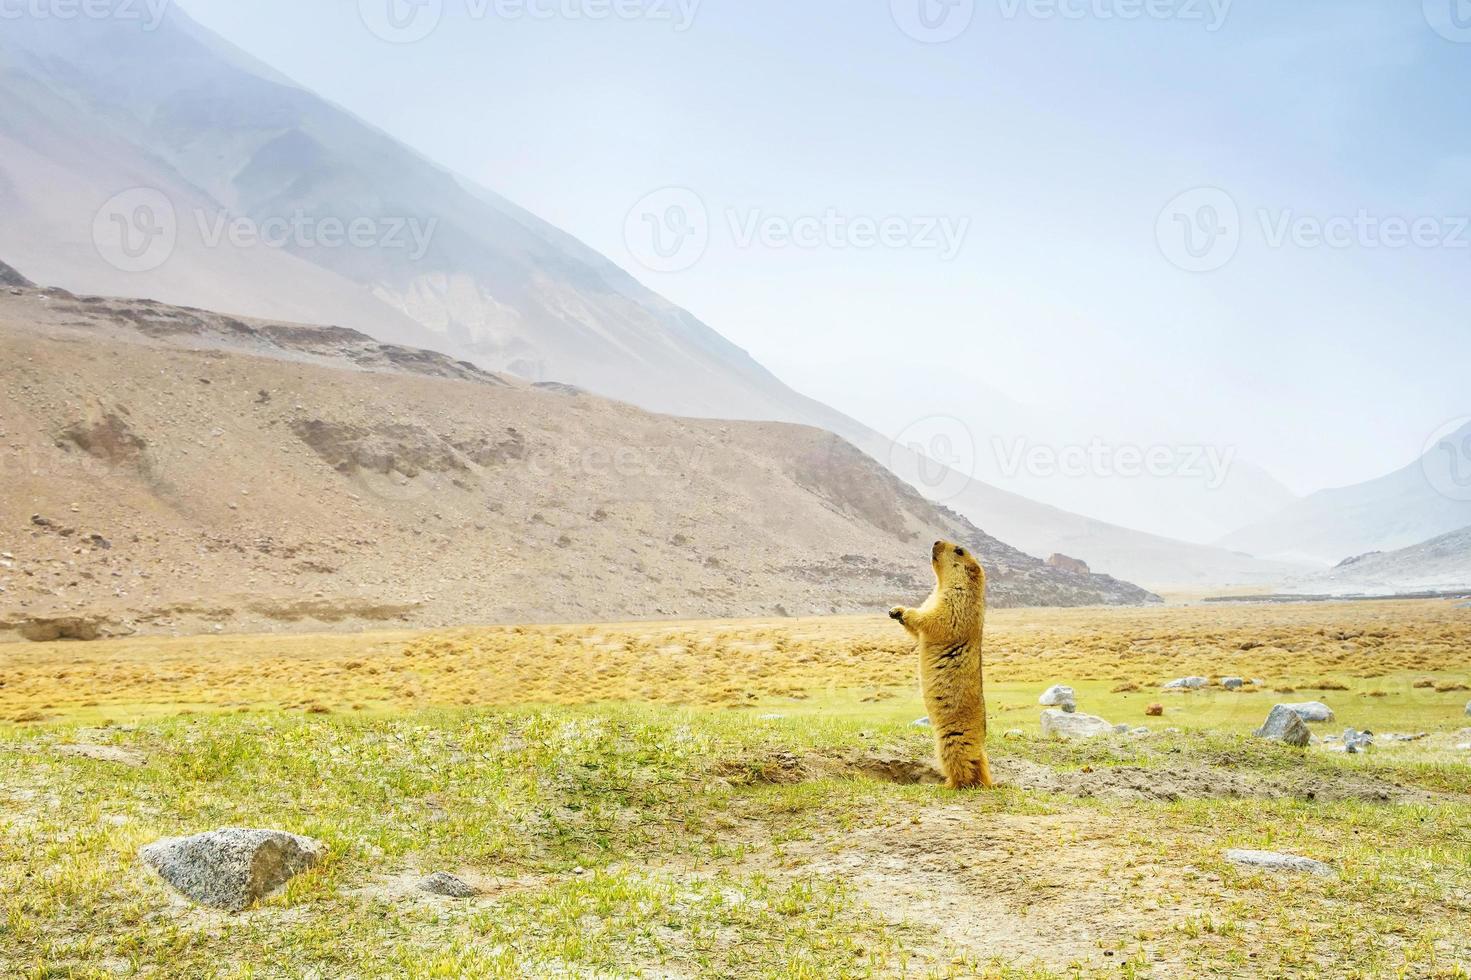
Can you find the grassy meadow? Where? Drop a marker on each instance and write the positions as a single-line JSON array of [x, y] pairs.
[[748, 799]]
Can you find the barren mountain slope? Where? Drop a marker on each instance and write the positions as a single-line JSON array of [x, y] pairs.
[[90, 109], [1441, 563], [1428, 498], [171, 467]]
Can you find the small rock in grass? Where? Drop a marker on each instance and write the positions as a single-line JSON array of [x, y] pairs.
[[1155, 711], [1122, 729], [1273, 861], [1187, 684], [1468, 709], [1015, 733], [448, 885], [1061, 724], [1312, 711], [1059, 696], [1233, 683], [231, 869], [1285, 725], [920, 723], [1355, 742], [105, 753], [1141, 730]]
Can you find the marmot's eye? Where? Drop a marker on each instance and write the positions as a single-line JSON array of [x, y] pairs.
[[959, 552]]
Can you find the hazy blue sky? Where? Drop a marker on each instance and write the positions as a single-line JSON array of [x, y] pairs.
[[1060, 136]]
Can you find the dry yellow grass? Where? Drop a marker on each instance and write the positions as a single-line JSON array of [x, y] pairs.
[[728, 663]]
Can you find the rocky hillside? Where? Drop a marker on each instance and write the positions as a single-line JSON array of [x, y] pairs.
[[168, 468], [91, 108], [1423, 500], [1440, 564]]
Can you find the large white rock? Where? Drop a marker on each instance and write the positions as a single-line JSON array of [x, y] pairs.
[[1285, 725], [1057, 723], [1313, 711], [1187, 684], [232, 869], [1059, 696]]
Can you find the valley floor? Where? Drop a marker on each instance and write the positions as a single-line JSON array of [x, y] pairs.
[[747, 799]]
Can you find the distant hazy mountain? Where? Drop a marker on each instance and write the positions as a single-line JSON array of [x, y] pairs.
[[92, 110], [1440, 564], [1430, 497]]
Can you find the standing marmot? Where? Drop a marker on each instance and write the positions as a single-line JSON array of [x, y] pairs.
[[949, 627]]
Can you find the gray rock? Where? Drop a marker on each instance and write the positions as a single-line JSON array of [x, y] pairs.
[[1057, 723], [920, 723], [1258, 682], [1285, 725], [1273, 861], [1059, 696], [1313, 711], [1355, 742], [1121, 729], [1468, 709], [232, 869], [1187, 684], [1014, 733], [1140, 731], [443, 883], [1233, 683], [105, 753]]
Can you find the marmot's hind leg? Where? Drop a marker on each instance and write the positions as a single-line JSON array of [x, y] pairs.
[[969, 773]]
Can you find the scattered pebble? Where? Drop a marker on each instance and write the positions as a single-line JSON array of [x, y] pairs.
[[448, 885]]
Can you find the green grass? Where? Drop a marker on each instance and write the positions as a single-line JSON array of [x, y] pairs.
[[622, 849]]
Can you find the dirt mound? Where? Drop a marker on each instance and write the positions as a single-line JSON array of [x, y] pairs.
[[1179, 780]]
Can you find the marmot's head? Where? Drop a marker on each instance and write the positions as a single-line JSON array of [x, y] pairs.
[[956, 567]]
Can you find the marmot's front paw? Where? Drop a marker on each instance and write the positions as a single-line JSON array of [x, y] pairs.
[[897, 613]]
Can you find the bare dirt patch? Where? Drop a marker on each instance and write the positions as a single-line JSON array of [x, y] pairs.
[[1183, 779], [1049, 890]]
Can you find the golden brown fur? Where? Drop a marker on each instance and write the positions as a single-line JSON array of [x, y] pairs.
[[949, 628]]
